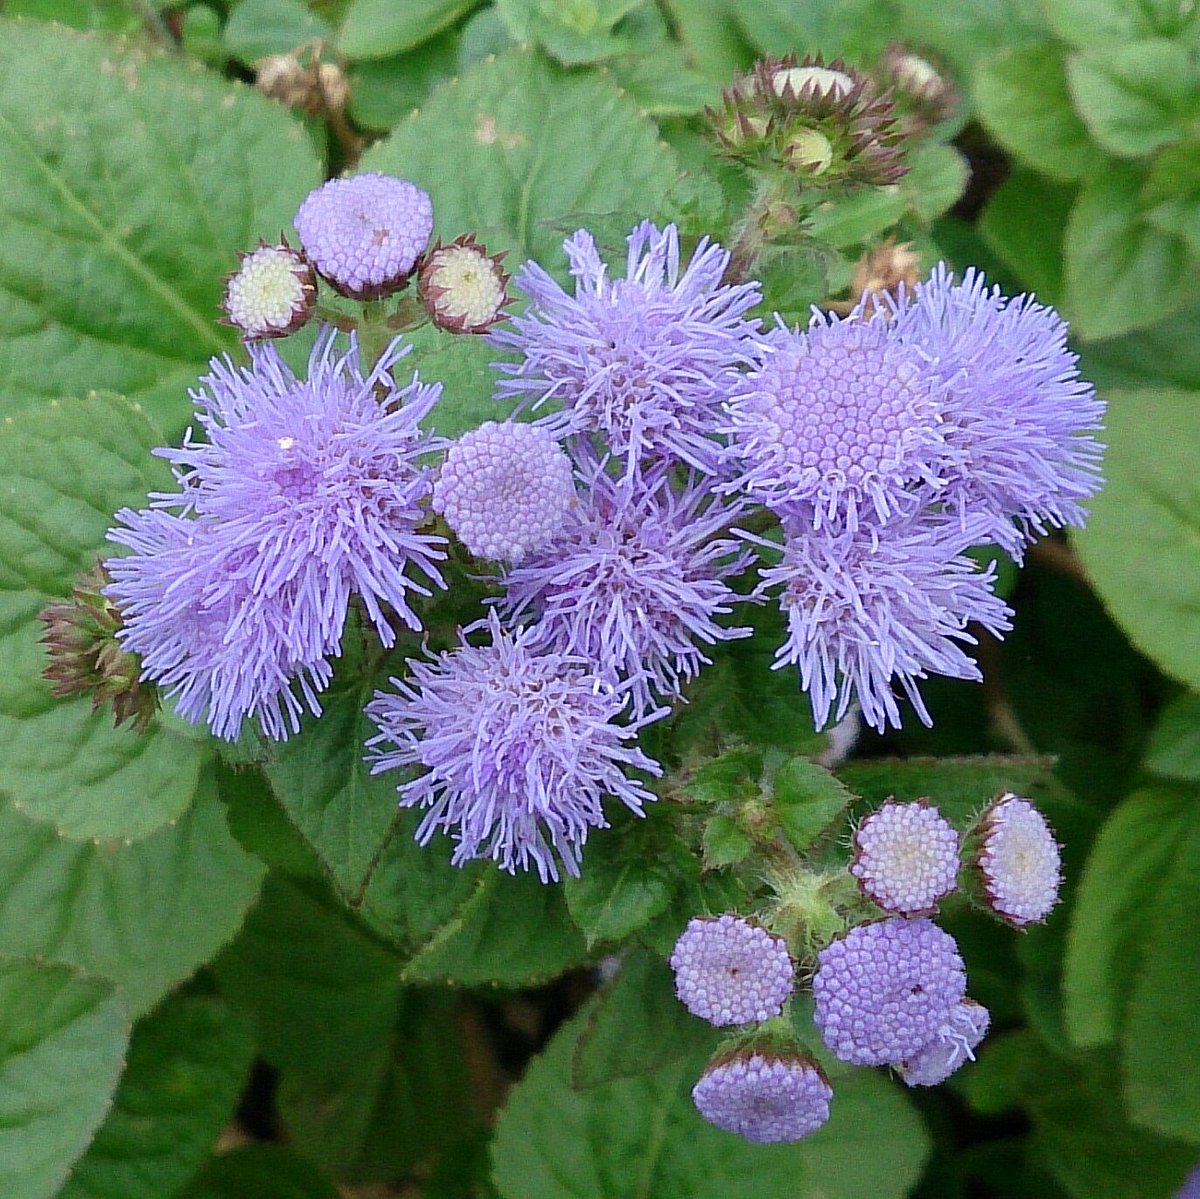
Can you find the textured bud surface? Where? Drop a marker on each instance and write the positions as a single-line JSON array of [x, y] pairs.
[[906, 857], [765, 1100], [954, 1044], [1019, 861], [884, 991], [463, 287], [817, 79], [730, 971], [505, 489], [365, 234], [271, 294]]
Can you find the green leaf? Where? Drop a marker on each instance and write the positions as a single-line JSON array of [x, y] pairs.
[[145, 915], [64, 469], [1137, 96], [531, 145], [129, 185], [637, 1026], [188, 1063], [859, 217], [265, 1171], [808, 799], [379, 28], [463, 366], [1022, 98], [1162, 1030], [1171, 196], [511, 931], [572, 31], [1123, 874], [857, 29], [1121, 272], [1174, 749], [1142, 542], [724, 842], [662, 83], [257, 28], [643, 1136], [383, 91], [62, 1043], [325, 786], [628, 876], [1024, 223], [937, 177], [967, 31], [1106, 24], [1006, 1067], [711, 41]]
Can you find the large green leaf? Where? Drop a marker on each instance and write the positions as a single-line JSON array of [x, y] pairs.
[[64, 468], [1142, 543], [1123, 874], [188, 1063], [129, 183], [967, 31], [1024, 223], [1121, 272], [1021, 96], [62, 1042], [1162, 1031], [1174, 749], [533, 147], [1105, 24], [642, 1137], [145, 915], [378, 28], [573, 31], [1137, 96], [257, 28]]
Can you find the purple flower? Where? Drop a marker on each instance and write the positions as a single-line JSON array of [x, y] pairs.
[[731, 971], [220, 650], [954, 1044], [764, 1099], [838, 422], [505, 490], [1017, 417], [365, 234], [884, 991], [906, 857], [871, 608], [1191, 1185], [635, 581], [642, 361], [518, 747], [319, 481], [1019, 861]]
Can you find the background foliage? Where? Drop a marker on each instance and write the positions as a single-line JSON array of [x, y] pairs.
[[185, 940]]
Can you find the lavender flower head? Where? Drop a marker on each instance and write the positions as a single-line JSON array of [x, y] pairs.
[[840, 422], [730, 971], [764, 1099], [365, 234], [866, 609], [906, 857], [319, 481], [642, 361], [219, 649], [1191, 1185], [518, 747], [955, 1044], [1017, 418], [505, 490], [1019, 861], [884, 991], [635, 581]]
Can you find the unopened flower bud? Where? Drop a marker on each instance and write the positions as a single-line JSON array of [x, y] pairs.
[[1018, 861], [924, 89], [463, 288], [272, 292], [86, 658]]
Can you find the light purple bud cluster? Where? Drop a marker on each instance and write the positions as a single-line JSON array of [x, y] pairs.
[[954, 1044], [1019, 861], [765, 1099], [906, 857], [730, 971]]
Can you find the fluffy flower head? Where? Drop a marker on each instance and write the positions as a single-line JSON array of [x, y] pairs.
[[868, 610], [635, 581], [272, 292], [364, 234], [884, 991], [505, 489], [765, 1099], [955, 1044], [643, 361], [518, 748], [906, 857], [1019, 861], [319, 481], [1018, 419], [839, 421], [729, 971]]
